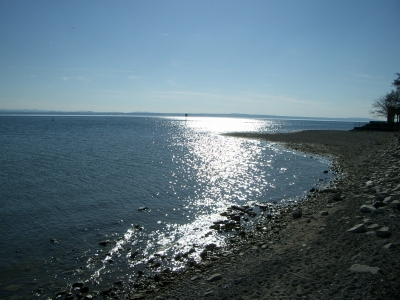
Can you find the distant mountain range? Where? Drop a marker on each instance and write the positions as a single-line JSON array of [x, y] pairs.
[[231, 115]]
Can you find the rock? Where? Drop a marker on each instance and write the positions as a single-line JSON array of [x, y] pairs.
[[69, 296], [106, 292], [137, 296], [235, 218], [395, 204], [134, 254], [396, 189], [211, 246], [104, 243], [378, 204], [388, 200], [383, 232], [143, 208], [373, 227], [58, 294], [329, 190], [84, 289], [390, 246], [157, 277], [297, 213], [336, 197], [357, 228], [369, 183], [214, 277], [377, 212], [367, 221], [203, 254], [324, 213], [367, 208], [78, 284], [252, 214], [356, 268]]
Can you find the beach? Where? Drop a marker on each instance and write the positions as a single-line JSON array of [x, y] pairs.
[[341, 243]]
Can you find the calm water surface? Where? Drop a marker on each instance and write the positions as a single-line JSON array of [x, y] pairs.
[[68, 183]]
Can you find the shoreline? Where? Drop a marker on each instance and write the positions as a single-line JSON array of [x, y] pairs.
[[308, 254]]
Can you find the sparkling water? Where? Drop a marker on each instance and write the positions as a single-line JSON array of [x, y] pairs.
[[93, 198]]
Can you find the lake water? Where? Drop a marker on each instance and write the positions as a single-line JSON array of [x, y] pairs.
[[148, 185]]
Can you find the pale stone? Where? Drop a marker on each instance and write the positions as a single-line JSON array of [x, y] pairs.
[[357, 228], [356, 268]]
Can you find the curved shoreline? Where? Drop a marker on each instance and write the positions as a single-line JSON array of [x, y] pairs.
[[311, 256], [315, 253]]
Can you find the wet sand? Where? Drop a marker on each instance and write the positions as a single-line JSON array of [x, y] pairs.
[[308, 255]]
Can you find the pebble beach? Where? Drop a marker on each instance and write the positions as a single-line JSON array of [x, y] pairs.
[[341, 242]]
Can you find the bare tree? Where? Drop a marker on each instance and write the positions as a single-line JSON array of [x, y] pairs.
[[384, 105], [396, 82]]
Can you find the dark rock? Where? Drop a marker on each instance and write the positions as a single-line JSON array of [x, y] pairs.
[[297, 213], [157, 277], [203, 254], [211, 246], [383, 232], [78, 284], [367, 208], [61, 293], [336, 197], [235, 218], [143, 208], [106, 292], [378, 204], [252, 214], [329, 190], [104, 243], [214, 277]]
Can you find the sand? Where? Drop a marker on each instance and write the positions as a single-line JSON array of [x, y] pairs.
[[312, 256]]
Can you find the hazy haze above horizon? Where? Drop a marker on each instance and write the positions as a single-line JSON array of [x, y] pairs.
[[294, 58]]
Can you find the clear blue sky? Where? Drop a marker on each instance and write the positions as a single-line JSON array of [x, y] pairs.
[[296, 58]]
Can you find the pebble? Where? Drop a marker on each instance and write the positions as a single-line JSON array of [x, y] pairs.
[[390, 246], [356, 268], [383, 232], [297, 213], [367, 208], [357, 228], [214, 277]]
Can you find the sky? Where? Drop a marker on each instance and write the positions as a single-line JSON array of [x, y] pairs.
[[325, 58]]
